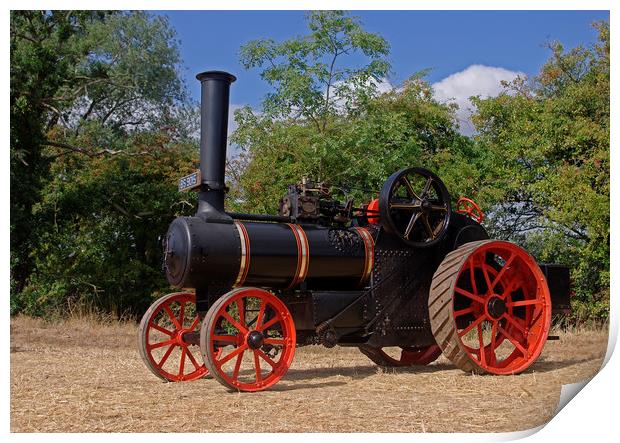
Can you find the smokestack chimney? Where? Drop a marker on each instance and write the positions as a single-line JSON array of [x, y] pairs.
[[214, 98]]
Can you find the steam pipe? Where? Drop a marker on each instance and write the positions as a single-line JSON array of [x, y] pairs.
[[214, 100]]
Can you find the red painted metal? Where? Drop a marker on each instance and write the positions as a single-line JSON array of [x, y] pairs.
[[373, 217], [162, 345], [470, 208], [227, 323], [506, 340]]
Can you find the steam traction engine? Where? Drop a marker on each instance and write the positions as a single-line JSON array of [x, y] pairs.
[[404, 272]]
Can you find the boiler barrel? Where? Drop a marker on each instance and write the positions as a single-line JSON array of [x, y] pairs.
[[272, 255]]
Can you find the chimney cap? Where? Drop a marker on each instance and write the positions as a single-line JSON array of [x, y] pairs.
[[216, 75]]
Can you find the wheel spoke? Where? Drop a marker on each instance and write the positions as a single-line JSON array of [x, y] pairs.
[[469, 295], [438, 208], [161, 329], [172, 317], [182, 363], [161, 344], [194, 323], [192, 359], [241, 311], [486, 277], [501, 272], [235, 374], [270, 323], [234, 322], [472, 275], [257, 366], [412, 222], [261, 313], [427, 225], [514, 341], [472, 325], [427, 187], [483, 359], [182, 314], [463, 312], [166, 355], [404, 205], [494, 341], [514, 304], [514, 322], [266, 358], [407, 183], [230, 356]]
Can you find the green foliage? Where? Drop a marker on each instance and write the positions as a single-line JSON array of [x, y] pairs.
[[356, 137], [309, 80], [549, 144], [99, 127], [104, 218]]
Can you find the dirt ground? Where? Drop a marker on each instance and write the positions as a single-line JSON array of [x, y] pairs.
[[83, 376]]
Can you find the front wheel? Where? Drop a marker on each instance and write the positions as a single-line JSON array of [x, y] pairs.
[[162, 338], [248, 339]]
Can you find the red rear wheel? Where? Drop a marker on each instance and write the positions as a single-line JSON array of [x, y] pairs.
[[256, 334], [490, 307], [402, 357], [162, 338]]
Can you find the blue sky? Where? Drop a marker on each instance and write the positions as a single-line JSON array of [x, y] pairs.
[[448, 42]]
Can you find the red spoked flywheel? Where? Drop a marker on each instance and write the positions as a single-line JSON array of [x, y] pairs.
[[490, 307], [163, 338], [470, 208], [256, 334]]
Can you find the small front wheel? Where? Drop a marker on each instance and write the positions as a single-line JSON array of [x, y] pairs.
[[248, 339], [163, 338]]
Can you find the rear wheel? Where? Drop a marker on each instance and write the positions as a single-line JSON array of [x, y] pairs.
[[247, 339], [490, 308], [402, 357]]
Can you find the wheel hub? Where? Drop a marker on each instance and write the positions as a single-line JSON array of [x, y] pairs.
[[496, 307], [255, 339], [180, 336]]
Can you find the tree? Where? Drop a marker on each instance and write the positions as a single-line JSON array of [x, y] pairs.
[[86, 89], [549, 144], [343, 129], [310, 79]]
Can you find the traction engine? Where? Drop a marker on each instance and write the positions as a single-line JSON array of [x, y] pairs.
[[403, 278]]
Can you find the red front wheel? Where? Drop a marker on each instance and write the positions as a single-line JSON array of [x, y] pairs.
[[248, 339], [163, 338]]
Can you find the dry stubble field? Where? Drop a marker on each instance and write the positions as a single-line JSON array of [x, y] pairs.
[[84, 376]]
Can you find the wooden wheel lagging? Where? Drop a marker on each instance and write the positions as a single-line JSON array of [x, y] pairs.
[[162, 338], [402, 357], [256, 334], [490, 308]]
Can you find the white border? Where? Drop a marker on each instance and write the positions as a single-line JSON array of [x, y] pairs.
[[591, 417]]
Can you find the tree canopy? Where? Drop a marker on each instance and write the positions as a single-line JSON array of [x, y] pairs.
[[98, 116]]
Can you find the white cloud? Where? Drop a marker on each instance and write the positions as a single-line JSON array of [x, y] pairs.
[[481, 80]]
